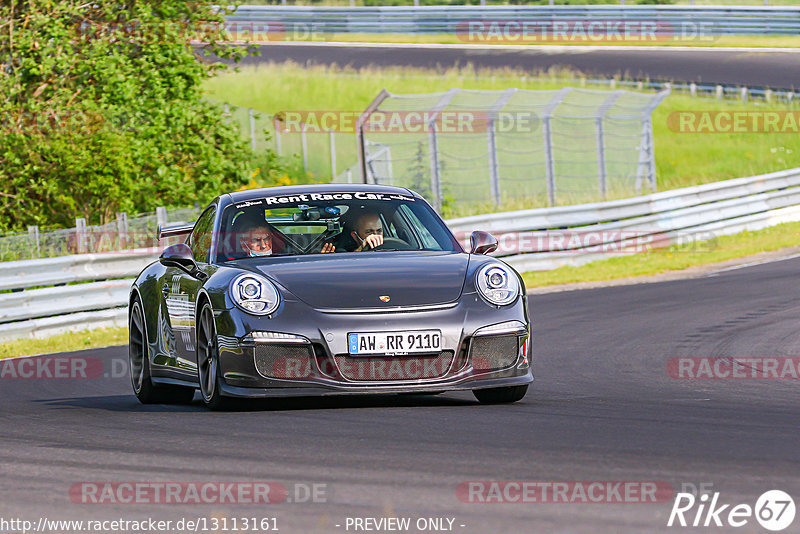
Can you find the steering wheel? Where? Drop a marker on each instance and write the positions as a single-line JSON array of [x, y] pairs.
[[393, 243]]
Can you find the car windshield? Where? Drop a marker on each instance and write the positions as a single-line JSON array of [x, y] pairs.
[[331, 222]]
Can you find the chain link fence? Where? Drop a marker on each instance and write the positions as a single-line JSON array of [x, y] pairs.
[[126, 233], [550, 147]]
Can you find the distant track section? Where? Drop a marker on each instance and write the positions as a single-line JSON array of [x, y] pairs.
[[753, 68]]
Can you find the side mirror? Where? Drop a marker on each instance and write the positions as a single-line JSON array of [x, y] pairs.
[[179, 255], [482, 242]]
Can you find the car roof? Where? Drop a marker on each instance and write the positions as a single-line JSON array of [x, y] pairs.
[[252, 194]]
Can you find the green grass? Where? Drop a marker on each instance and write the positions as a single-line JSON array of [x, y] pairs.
[[89, 339], [682, 159], [722, 248]]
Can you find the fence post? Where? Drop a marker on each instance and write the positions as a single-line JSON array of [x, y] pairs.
[[547, 132], [602, 171], [332, 143], [436, 179], [548, 161], [80, 233], [161, 215], [494, 175], [252, 129], [276, 124], [227, 114], [33, 234], [122, 229], [744, 94], [719, 92], [303, 141], [693, 89]]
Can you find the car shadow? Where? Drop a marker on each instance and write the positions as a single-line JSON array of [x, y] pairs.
[[128, 403]]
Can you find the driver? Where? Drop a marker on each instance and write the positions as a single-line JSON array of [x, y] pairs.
[[254, 236], [367, 232]]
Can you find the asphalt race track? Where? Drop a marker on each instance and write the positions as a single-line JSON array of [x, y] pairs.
[[753, 68], [602, 408]]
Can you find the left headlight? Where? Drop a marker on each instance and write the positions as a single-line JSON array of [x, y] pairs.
[[498, 284], [255, 294]]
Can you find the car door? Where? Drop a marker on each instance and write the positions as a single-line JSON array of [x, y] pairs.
[[180, 290]]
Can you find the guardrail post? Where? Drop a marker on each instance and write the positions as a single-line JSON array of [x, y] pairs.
[[122, 229], [768, 95], [332, 143], [33, 234], [744, 94], [80, 235], [252, 129], [693, 89], [719, 92]]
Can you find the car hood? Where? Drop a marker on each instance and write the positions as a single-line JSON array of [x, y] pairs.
[[357, 280]]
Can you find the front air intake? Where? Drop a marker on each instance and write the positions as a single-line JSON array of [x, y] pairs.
[[492, 353], [285, 361]]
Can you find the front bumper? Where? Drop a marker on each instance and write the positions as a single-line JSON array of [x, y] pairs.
[[313, 358]]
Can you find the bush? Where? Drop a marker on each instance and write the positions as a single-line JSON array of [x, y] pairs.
[[101, 110]]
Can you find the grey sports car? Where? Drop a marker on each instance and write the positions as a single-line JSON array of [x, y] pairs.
[[326, 289]]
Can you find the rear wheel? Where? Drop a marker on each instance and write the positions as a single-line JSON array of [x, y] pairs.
[[139, 363], [504, 395], [208, 360]]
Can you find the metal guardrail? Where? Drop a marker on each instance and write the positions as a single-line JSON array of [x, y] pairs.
[[670, 217], [307, 20]]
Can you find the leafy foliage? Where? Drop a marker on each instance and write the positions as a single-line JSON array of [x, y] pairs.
[[101, 110]]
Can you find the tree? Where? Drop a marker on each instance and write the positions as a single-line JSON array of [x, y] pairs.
[[101, 109]]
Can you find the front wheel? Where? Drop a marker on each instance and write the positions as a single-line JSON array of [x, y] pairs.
[[504, 395], [139, 365], [208, 360]]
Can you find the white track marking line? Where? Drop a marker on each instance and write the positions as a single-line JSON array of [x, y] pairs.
[[753, 263]]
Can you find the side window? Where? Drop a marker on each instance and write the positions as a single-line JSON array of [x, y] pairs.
[[428, 241], [200, 242]]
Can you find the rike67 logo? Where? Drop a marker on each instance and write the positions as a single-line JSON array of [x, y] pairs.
[[774, 510]]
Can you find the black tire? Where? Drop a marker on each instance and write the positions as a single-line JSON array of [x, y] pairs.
[[504, 395], [139, 365], [208, 360]]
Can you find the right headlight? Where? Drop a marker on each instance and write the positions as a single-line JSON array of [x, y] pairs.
[[497, 284], [255, 294]]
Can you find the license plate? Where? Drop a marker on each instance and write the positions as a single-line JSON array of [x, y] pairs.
[[394, 343]]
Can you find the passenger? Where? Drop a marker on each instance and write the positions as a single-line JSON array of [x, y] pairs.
[[367, 232]]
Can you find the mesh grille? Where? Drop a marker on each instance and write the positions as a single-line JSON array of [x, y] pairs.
[[494, 352], [389, 368], [283, 361]]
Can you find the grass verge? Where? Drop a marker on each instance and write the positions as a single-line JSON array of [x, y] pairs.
[[89, 339], [677, 258]]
